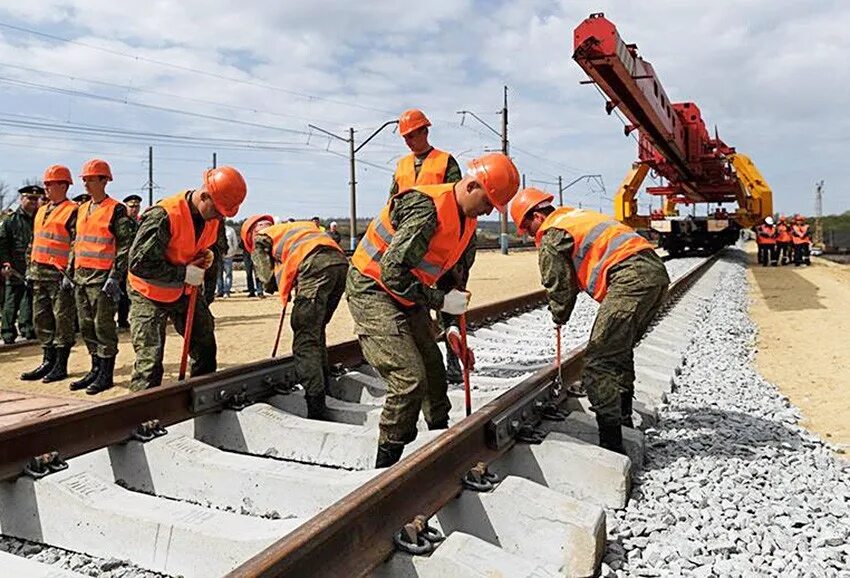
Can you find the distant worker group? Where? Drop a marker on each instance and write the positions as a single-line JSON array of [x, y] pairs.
[[783, 242]]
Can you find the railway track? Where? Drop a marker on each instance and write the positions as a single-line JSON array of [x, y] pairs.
[[241, 483]]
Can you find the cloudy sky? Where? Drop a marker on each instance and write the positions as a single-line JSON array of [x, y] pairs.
[[102, 78]]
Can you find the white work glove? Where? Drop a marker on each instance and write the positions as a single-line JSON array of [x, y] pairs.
[[194, 275], [456, 302]]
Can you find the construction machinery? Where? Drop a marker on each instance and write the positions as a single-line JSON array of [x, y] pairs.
[[675, 145]]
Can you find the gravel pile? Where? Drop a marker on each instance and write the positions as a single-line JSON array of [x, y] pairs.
[[732, 485], [81, 563]]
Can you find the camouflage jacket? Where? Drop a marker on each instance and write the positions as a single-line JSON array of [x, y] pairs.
[[123, 229], [313, 264], [43, 272], [15, 240], [453, 173]]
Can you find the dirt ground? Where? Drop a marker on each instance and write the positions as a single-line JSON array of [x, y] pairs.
[[802, 346], [245, 327]]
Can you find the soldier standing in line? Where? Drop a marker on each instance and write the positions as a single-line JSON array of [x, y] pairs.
[[53, 295], [420, 235], [169, 256], [134, 205], [104, 236], [15, 239], [581, 250], [426, 165], [334, 234], [299, 256]]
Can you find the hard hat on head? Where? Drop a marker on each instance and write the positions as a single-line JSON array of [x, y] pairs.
[[499, 177], [768, 220], [96, 168], [410, 120], [57, 174], [247, 232], [227, 189], [524, 202]]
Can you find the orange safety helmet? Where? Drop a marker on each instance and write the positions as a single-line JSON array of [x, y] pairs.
[[410, 120], [498, 175], [247, 232], [227, 189], [524, 202], [96, 168], [57, 174]]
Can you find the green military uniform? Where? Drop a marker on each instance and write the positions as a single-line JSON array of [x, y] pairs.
[[453, 172], [15, 238], [148, 318], [319, 286], [95, 309], [399, 341], [636, 289], [124, 303]]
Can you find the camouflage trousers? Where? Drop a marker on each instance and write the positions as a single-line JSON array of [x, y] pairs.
[[17, 312], [96, 314], [148, 320], [399, 344], [636, 290], [54, 313], [316, 299]]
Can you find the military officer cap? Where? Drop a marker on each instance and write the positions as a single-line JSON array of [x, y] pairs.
[[31, 191], [133, 199], [81, 198]]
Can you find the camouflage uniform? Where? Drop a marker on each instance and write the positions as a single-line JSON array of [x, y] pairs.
[[399, 341], [148, 318], [15, 238], [453, 172], [319, 286], [124, 304], [636, 289], [95, 309]]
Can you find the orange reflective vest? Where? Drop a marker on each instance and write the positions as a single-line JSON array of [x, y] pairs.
[[783, 234], [182, 249], [94, 247], [800, 234], [599, 243], [51, 242], [432, 171], [291, 243], [444, 249], [766, 235]]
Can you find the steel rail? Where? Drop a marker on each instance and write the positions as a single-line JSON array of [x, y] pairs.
[[354, 535], [93, 427]]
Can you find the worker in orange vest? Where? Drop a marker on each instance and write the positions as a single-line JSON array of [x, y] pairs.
[[299, 256], [802, 240], [53, 295], [421, 234], [103, 238], [581, 250], [783, 240], [426, 165], [766, 241], [168, 258]]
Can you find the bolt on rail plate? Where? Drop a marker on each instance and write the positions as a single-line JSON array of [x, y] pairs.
[[252, 386]]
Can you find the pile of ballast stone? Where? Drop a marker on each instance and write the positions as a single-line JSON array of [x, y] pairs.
[[732, 485]]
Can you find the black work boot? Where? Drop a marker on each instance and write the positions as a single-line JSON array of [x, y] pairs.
[[388, 454], [316, 408], [611, 438], [454, 373], [47, 361], [59, 371], [103, 381], [88, 378]]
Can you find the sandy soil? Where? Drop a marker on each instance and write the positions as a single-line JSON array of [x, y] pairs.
[[245, 327], [802, 347]]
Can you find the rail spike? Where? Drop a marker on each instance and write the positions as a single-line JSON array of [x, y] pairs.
[[417, 537]]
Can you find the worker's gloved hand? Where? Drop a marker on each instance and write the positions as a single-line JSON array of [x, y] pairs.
[[6, 271], [204, 259], [66, 284], [194, 275], [463, 353], [456, 302], [112, 289]]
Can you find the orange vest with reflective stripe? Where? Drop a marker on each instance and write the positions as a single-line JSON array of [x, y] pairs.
[[445, 248], [766, 235], [51, 242], [800, 234], [94, 247], [432, 171], [291, 243], [181, 250], [783, 234], [600, 243]]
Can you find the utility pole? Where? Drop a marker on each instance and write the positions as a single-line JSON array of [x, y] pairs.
[[352, 161], [215, 160], [150, 176], [818, 238], [503, 218]]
